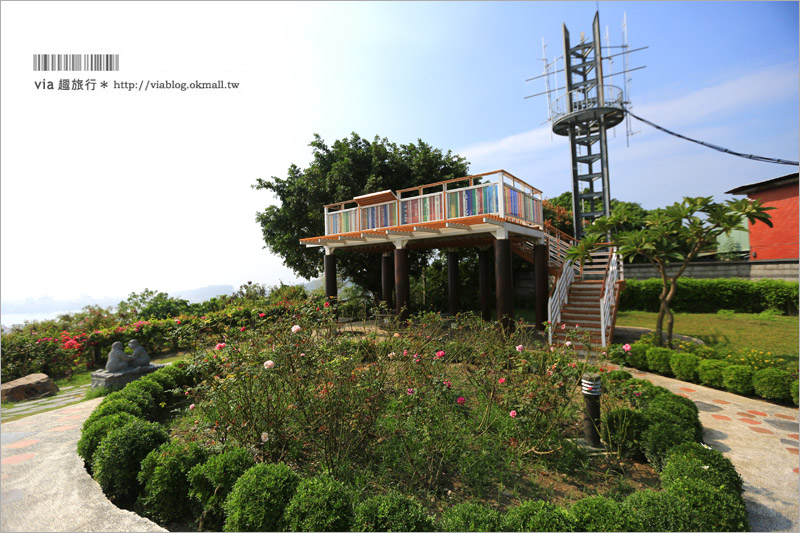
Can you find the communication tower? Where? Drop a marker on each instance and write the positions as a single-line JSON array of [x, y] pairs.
[[584, 109]]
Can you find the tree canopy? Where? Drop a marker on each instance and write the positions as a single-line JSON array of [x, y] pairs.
[[350, 167]]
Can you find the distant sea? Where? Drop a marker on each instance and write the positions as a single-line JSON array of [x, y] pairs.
[[10, 319]]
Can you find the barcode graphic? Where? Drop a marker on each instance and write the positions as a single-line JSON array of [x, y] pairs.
[[75, 62]]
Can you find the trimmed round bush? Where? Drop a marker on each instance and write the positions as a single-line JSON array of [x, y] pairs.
[[537, 515], [651, 510], [598, 513], [738, 379], [145, 389], [772, 384], [165, 381], [617, 375], [637, 357], [117, 460], [392, 512], [709, 372], [694, 461], [112, 405], [684, 366], [621, 430], [470, 516], [641, 392], [165, 487], [680, 407], [145, 402], [259, 498], [661, 436], [179, 372], [92, 436], [320, 504], [211, 482], [709, 508], [793, 390], [658, 360]]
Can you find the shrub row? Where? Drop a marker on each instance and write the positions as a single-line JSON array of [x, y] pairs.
[[773, 384], [711, 295]]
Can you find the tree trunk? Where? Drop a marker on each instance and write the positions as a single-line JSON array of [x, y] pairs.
[[663, 308], [673, 289]]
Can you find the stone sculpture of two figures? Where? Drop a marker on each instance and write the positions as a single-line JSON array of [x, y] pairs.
[[119, 361]]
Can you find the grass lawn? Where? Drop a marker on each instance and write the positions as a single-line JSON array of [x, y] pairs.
[[776, 334]]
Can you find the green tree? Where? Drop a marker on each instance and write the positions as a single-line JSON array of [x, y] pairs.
[[350, 167], [674, 235], [558, 211]]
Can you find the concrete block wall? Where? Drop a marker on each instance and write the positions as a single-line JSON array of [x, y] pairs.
[[783, 269]]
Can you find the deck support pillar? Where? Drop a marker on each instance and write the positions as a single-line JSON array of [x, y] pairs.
[[483, 283], [504, 283], [402, 285], [331, 292], [540, 263], [387, 278], [452, 282]]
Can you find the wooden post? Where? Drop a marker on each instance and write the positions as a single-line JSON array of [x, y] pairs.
[[401, 283], [483, 283], [452, 282], [330, 275], [540, 261], [503, 283], [387, 277]]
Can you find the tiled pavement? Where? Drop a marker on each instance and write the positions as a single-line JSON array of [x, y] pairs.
[[45, 487]]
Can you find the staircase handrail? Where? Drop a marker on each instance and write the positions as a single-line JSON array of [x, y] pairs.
[[559, 296], [558, 243], [607, 295]]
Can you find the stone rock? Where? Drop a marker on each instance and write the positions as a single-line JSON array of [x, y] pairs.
[[117, 380], [29, 387]]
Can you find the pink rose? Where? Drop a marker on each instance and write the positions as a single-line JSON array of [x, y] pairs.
[[519, 348], [191, 407], [513, 414], [219, 346], [440, 353], [501, 380], [269, 364], [626, 347], [296, 328], [460, 400]]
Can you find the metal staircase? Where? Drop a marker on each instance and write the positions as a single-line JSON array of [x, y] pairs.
[[585, 301]]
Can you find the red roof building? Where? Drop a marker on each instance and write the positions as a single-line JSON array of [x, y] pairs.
[[781, 240]]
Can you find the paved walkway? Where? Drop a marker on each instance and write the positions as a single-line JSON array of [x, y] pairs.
[[43, 484], [45, 487], [761, 440]]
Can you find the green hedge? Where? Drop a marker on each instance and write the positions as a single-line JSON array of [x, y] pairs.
[[711, 295]]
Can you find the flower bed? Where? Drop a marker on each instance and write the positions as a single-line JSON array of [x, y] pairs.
[[289, 426]]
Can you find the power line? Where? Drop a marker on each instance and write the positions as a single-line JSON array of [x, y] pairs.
[[718, 148]]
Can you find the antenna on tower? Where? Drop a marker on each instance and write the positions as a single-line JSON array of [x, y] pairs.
[[584, 111]]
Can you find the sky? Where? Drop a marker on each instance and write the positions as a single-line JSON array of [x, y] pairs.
[[108, 192]]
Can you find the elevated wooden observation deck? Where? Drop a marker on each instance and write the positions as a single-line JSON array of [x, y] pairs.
[[492, 210], [468, 211]]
